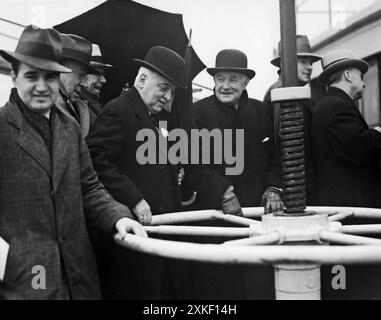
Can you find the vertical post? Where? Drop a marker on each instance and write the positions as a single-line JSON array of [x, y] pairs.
[[291, 98], [288, 40], [330, 12]]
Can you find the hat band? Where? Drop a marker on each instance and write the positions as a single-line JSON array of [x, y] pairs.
[[333, 62], [38, 50], [76, 55], [97, 59]]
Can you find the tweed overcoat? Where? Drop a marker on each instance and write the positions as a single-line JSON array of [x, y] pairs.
[[42, 202]]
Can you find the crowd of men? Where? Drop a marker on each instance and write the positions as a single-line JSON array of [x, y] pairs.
[[69, 167]]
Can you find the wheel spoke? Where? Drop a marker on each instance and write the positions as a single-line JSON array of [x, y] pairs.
[[267, 239], [365, 229], [338, 238], [199, 231]]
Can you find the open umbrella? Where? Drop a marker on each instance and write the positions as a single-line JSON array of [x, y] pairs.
[[125, 30]]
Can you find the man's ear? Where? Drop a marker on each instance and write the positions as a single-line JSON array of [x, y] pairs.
[[142, 80], [347, 75], [246, 82]]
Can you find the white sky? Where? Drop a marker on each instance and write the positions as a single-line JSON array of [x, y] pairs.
[[249, 25]]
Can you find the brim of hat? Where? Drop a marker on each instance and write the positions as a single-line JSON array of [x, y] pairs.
[[250, 73], [276, 62], [101, 66], [37, 63], [90, 69], [348, 63], [153, 68]]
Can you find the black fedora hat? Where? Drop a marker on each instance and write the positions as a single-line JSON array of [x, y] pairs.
[[165, 62], [39, 48], [97, 60], [340, 60], [303, 49], [78, 49], [231, 60]]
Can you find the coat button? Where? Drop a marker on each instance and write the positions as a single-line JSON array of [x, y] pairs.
[[163, 169]]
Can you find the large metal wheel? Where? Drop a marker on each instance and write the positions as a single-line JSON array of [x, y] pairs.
[[295, 246]]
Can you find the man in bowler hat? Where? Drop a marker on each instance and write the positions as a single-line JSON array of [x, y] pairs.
[[260, 183], [346, 151], [150, 188], [47, 180], [305, 61]]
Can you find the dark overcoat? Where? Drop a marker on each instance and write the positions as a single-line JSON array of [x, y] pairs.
[[42, 202], [346, 153], [261, 160], [261, 170], [113, 145]]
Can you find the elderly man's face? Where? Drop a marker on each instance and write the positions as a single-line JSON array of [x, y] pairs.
[[304, 69], [38, 89], [229, 86], [74, 81], [157, 92], [95, 83]]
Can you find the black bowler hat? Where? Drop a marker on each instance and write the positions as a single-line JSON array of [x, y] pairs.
[[231, 60], [165, 62], [303, 49], [39, 48], [78, 49]]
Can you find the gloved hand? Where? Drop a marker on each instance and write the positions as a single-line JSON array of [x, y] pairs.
[[230, 203], [272, 201], [142, 212]]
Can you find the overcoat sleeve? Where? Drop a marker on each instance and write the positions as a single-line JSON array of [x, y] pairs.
[[350, 140], [100, 207], [273, 176], [205, 181], [105, 141], [208, 183]]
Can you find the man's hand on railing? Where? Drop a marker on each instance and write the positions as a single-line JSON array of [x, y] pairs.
[[127, 225], [272, 201], [230, 203]]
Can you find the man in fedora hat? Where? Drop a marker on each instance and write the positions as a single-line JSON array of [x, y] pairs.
[[150, 188], [76, 54], [346, 151], [95, 80], [47, 180], [259, 184], [305, 61]]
